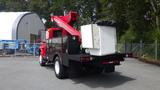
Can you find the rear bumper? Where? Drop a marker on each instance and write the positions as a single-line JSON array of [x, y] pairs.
[[99, 60], [111, 57]]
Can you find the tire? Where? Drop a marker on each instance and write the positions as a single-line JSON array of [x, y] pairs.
[[109, 69], [94, 69], [59, 69], [99, 70], [42, 61], [74, 70]]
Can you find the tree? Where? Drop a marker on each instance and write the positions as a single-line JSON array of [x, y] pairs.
[[15, 5], [2, 5], [41, 7], [139, 16], [114, 10], [129, 15], [155, 9], [85, 8]]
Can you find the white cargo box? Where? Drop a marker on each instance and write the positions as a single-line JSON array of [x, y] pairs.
[[99, 40]]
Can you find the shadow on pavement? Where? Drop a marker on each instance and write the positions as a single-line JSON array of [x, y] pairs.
[[105, 80], [109, 80]]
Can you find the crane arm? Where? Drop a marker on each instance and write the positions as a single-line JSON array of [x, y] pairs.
[[64, 22]]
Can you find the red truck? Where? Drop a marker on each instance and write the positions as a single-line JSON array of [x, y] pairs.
[[91, 49]]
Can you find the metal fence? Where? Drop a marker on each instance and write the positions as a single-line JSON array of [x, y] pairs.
[[149, 50], [20, 50], [145, 50]]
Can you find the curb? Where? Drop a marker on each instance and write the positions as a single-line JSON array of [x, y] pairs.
[[18, 56], [150, 62]]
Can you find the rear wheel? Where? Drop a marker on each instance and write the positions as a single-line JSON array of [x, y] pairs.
[[42, 61], [59, 69], [99, 70], [94, 69], [109, 68]]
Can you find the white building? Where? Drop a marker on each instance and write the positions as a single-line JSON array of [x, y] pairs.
[[20, 26]]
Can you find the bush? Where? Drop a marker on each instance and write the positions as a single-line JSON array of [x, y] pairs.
[[155, 35], [129, 36]]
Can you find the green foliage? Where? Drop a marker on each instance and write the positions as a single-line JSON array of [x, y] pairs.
[[129, 36], [15, 5], [41, 7], [155, 34], [136, 19], [2, 5]]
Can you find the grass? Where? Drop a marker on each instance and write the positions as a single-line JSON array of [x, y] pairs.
[[149, 59]]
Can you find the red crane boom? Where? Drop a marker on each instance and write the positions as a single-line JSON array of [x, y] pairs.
[[65, 22]]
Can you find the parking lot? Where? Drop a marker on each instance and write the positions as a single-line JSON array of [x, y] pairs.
[[25, 73]]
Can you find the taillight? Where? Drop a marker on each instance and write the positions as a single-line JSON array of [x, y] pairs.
[[86, 59], [104, 62], [110, 62]]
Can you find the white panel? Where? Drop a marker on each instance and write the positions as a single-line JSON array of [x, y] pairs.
[[86, 34], [107, 41], [96, 36], [100, 40]]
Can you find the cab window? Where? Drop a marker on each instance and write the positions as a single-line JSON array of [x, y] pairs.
[[57, 37]]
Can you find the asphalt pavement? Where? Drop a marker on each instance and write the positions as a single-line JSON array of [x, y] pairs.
[[25, 73]]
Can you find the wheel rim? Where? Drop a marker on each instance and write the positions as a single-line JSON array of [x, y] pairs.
[[57, 67], [40, 59]]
